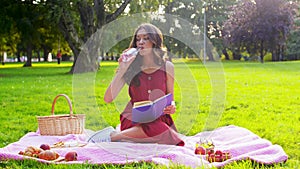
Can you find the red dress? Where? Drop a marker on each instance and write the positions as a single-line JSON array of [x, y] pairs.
[[152, 86]]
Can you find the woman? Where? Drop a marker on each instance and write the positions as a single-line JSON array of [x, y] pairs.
[[149, 77]]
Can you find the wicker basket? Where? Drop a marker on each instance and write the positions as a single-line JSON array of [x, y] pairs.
[[61, 124]]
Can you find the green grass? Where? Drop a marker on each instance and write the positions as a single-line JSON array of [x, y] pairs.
[[264, 98]]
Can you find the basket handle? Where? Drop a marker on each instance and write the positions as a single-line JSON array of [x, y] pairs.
[[69, 102]]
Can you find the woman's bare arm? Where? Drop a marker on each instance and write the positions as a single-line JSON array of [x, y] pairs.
[[118, 82], [114, 88]]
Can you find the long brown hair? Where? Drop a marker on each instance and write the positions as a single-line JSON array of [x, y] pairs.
[[156, 37]]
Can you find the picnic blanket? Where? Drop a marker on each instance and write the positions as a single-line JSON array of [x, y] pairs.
[[240, 142]]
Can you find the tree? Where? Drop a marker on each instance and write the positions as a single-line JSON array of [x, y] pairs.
[[258, 27], [24, 28], [28, 18], [9, 34], [78, 20], [216, 13], [292, 50]]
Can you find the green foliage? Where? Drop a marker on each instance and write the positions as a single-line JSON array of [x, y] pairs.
[[258, 27], [263, 98], [293, 43]]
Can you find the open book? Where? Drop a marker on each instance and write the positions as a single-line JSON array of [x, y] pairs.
[[147, 111]]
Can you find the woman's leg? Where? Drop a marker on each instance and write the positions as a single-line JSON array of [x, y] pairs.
[[135, 134]]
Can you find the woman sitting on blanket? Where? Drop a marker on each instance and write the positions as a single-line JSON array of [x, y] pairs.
[[149, 77]]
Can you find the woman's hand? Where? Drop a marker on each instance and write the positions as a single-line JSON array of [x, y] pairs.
[[170, 109], [123, 66]]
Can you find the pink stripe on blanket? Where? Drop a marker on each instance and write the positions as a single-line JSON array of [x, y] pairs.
[[242, 144]]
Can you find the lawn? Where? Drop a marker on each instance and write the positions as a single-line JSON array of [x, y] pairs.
[[264, 98]]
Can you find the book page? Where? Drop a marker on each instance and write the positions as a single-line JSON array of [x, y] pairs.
[[142, 103]]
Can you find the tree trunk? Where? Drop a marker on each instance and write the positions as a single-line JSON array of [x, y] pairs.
[[87, 60], [224, 51], [236, 55], [87, 18], [39, 56], [45, 53], [19, 55], [2, 58], [184, 53], [280, 54], [28, 63], [274, 53], [262, 52], [70, 34], [210, 55]]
